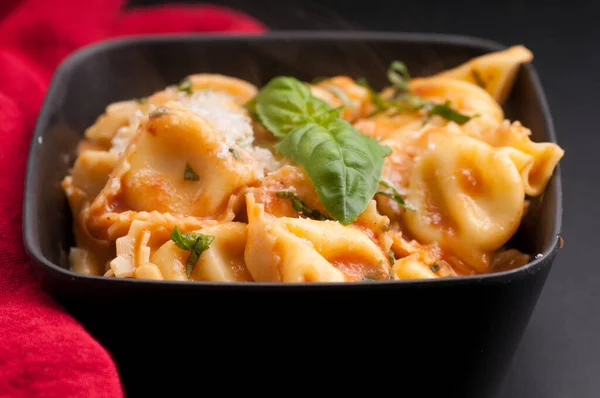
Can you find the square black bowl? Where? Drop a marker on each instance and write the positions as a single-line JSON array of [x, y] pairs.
[[457, 334]]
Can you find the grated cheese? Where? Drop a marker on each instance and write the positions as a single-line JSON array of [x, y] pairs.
[[218, 109], [221, 112], [264, 161]]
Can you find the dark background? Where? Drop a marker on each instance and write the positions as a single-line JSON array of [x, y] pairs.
[[559, 356]]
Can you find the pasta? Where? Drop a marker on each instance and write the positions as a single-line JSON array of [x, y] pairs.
[[217, 180]]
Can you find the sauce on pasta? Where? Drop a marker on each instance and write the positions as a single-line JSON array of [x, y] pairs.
[[216, 179]]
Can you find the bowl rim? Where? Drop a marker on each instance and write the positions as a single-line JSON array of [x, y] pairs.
[[29, 227]]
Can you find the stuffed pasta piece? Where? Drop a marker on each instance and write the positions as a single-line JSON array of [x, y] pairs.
[[329, 181]]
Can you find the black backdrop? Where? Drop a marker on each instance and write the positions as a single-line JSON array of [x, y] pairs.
[[559, 356]]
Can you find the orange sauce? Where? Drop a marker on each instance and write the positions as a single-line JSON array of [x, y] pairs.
[[356, 267], [435, 210], [117, 204], [470, 181]]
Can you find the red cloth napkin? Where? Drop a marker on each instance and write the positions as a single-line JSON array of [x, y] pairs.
[[43, 351]]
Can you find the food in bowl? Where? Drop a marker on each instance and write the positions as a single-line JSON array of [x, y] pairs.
[[214, 179]]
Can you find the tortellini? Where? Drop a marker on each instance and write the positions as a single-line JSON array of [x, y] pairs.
[[223, 261], [290, 179], [147, 253], [301, 250], [536, 160], [467, 196], [466, 97], [187, 184], [117, 115], [151, 174], [495, 72], [91, 255], [91, 170]]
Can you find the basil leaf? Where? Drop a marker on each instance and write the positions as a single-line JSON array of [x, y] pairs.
[[195, 242], [301, 207], [398, 75], [286, 103], [435, 267], [190, 263], [183, 241], [189, 174], [448, 113], [251, 107], [343, 165]]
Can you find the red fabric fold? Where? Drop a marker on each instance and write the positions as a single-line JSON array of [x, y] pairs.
[[43, 351]]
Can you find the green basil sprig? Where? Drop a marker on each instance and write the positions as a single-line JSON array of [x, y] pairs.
[[344, 165], [405, 101]]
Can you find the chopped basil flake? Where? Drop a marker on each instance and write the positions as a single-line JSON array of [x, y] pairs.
[[391, 257], [189, 174], [159, 112], [234, 153], [194, 242], [399, 76], [478, 79], [301, 207], [394, 194], [380, 103], [186, 86], [435, 267], [448, 113], [402, 101]]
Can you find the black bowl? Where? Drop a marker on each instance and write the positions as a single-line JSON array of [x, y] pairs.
[[453, 336]]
